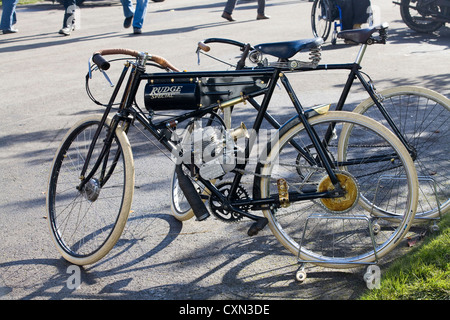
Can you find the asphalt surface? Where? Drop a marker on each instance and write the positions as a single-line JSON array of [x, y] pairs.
[[42, 94]]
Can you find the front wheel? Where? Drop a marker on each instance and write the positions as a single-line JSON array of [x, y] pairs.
[[85, 224], [339, 233]]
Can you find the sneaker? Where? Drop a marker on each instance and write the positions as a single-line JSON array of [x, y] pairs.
[[127, 22], [137, 30], [67, 30], [5, 31]]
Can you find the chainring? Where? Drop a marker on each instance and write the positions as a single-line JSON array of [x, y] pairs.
[[341, 204], [216, 205]]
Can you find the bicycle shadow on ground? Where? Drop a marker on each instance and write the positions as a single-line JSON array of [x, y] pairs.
[[436, 82], [52, 275], [247, 268], [440, 37]]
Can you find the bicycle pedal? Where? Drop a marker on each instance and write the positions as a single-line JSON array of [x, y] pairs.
[[257, 226]]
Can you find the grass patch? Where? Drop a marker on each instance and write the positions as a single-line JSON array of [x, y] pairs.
[[24, 2], [422, 274]]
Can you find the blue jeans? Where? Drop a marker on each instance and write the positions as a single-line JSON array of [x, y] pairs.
[[229, 7], [9, 14], [139, 12]]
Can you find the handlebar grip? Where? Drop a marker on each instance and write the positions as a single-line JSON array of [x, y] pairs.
[[163, 62], [100, 61], [103, 64], [203, 46]]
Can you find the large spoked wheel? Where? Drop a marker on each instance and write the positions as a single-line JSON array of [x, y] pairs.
[[321, 18], [85, 224], [418, 16], [339, 233], [423, 118]]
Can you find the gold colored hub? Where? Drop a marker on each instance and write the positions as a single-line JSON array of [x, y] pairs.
[[341, 204]]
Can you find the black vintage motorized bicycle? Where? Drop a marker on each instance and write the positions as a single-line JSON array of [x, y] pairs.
[[332, 159], [425, 15]]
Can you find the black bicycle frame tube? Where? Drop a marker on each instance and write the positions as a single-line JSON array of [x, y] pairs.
[[384, 112], [155, 129], [323, 156], [139, 75], [355, 73], [256, 126]]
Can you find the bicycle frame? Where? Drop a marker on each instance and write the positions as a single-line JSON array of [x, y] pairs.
[[355, 72], [127, 113]]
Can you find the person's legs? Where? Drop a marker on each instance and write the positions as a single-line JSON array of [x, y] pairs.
[[69, 12], [261, 7], [229, 7], [127, 6], [347, 13], [69, 17], [139, 13], [360, 11], [8, 14]]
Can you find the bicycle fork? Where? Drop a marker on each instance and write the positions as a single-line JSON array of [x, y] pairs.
[[109, 138]]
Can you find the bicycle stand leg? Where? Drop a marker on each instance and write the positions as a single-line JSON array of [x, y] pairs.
[[421, 180], [300, 275]]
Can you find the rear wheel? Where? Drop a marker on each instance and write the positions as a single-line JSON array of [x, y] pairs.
[[422, 116], [339, 232]]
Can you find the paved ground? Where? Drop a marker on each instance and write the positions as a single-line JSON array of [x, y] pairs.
[[42, 94]]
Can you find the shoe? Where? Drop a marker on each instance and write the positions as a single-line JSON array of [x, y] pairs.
[[5, 31], [137, 30], [227, 16], [262, 17], [127, 22], [67, 30]]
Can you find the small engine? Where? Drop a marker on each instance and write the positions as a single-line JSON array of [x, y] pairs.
[[212, 149]]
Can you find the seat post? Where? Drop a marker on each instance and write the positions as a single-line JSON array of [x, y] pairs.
[[361, 53]]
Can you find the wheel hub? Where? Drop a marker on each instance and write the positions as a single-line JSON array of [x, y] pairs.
[[344, 203], [92, 189]]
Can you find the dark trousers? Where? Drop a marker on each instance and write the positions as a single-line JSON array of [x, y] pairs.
[[69, 12], [354, 12]]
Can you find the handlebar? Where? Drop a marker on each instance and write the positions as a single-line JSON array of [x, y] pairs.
[[245, 48], [103, 64], [202, 45]]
